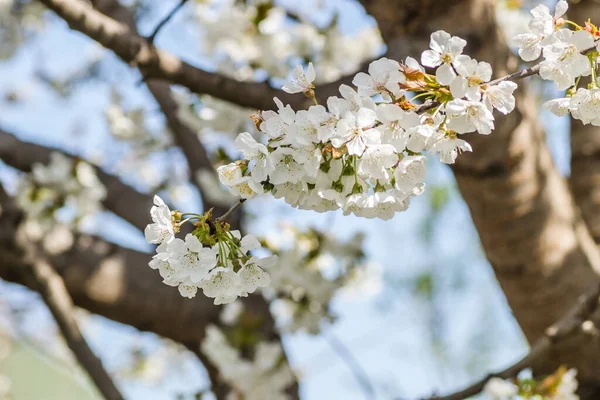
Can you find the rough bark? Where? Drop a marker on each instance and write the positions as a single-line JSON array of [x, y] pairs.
[[530, 228], [585, 143]]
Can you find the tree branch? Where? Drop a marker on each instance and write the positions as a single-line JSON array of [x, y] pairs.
[[562, 330], [42, 276], [159, 64], [52, 288], [119, 199], [166, 19], [357, 370]]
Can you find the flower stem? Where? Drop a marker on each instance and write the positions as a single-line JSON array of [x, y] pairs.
[[593, 66], [192, 215], [578, 27], [231, 210]]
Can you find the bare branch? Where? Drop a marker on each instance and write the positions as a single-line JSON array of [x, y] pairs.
[[233, 208], [357, 370], [166, 19], [159, 64], [52, 288], [563, 329]]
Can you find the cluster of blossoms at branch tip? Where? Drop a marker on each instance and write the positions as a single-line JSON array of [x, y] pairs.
[[312, 267], [569, 54], [212, 258], [561, 385], [363, 153]]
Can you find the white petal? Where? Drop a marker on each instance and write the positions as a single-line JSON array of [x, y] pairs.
[[430, 58], [458, 87], [445, 74]]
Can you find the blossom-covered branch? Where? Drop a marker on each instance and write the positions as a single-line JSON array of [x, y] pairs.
[[364, 152]]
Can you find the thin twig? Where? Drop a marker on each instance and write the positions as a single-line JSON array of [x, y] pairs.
[[57, 298], [562, 329], [231, 210], [359, 373], [166, 19]]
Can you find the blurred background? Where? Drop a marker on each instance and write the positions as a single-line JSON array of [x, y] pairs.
[[412, 301]]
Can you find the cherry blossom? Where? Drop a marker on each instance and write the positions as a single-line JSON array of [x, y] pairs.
[[443, 53], [301, 81]]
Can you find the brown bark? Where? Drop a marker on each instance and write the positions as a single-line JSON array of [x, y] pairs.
[[585, 143], [532, 233], [120, 197]]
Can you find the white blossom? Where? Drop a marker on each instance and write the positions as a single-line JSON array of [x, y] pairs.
[[469, 116], [449, 147], [499, 389], [355, 131], [500, 97], [384, 78], [471, 75], [542, 31], [161, 230], [444, 51], [559, 107], [563, 59], [585, 106], [301, 81], [252, 275]]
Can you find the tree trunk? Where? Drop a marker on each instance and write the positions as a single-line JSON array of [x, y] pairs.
[[538, 245]]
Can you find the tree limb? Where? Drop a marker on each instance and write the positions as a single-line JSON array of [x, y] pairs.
[[558, 332], [159, 64], [50, 285], [119, 199], [165, 20], [52, 288]]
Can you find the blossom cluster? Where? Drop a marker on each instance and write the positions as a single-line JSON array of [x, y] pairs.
[[245, 39], [568, 55], [16, 19], [212, 258], [363, 153], [561, 385], [129, 126], [65, 190], [312, 267], [262, 377]]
